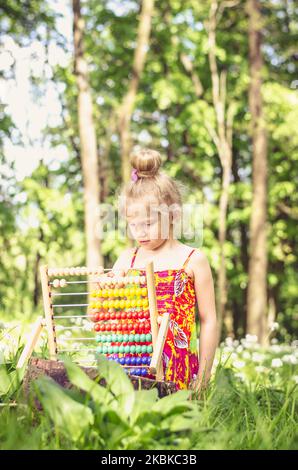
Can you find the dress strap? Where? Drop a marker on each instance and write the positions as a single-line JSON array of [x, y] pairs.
[[134, 257], [187, 259]]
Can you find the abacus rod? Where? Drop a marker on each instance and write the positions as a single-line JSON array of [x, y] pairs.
[[54, 294], [69, 316], [75, 350], [70, 305], [62, 328], [85, 338]]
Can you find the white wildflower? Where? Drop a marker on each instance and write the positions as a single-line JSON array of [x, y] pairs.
[[277, 362], [290, 359], [238, 364]]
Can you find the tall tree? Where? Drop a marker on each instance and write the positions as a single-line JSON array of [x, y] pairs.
[[89, 156], [257, 284], [126, 107]]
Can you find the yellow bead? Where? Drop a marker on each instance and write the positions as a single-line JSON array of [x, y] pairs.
[[138, 291], [144, 302], [98, 304], [116, 303], [132, 291], [122, 303], [133, 303], [116, 292], [139, 303], [110, 292], [144, 291], [111, 303], [126, 292], [104, 293], [121, 292], [105, 304], [93, 293], [127, 303]]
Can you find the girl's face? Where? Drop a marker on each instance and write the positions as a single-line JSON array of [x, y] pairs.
[[147, 225]]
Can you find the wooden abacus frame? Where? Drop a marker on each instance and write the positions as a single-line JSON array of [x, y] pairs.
[[159, 325]]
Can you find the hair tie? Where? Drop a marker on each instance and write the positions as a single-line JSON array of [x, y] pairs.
[[134, 175]]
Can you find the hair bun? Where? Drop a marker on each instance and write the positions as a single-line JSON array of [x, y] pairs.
[[146, 162]]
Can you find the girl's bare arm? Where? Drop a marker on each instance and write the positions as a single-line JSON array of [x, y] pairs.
[[204, 288]]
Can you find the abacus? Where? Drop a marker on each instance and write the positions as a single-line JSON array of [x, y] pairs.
[[119, 315]]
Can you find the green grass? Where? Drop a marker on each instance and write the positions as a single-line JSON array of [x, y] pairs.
[[251, 403]]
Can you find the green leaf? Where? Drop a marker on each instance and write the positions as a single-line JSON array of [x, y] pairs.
[[71, 418], [144, 400], [99, 394], [179, 399], [118, 383]]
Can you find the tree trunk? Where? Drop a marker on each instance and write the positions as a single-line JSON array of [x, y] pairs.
[[126, 108], [222, 137], [257, 286], [88, 144]]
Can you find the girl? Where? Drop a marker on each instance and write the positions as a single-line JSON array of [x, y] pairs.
[[182, 274]]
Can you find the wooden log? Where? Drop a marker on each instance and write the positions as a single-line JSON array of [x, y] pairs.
[[56, 370]]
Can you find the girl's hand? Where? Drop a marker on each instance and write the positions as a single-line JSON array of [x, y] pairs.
[[197, 388]]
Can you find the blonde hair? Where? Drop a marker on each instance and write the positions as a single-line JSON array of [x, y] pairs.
[[151, 181]]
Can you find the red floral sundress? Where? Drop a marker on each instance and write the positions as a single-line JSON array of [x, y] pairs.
[[175, 294]]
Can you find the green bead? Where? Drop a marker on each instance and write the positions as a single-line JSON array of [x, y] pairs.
[[137, 337], [131, 338], [138, 348], [98, 338], [110, 349], [149, 349], [143, 338], [121, 348], [148, 337], [108, 338], [99, 349], [119, 338], [126, 349], [114, 338], [115, 349], [125, 338], [144, 348], [104, 350], [132, 349]]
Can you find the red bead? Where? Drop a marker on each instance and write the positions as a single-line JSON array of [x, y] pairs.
[[129, 315], [108, 327], [101, 316], [112, 315], [107, 316], [118, 315], [123, 315], [97, 327]]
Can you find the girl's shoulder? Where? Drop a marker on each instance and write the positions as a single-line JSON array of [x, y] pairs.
[[200, 265]]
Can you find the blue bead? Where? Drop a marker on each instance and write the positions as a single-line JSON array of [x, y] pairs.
[[127, 361], [138, 371], [133, 360], [122, 361], [138, 361], [144, 372]]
